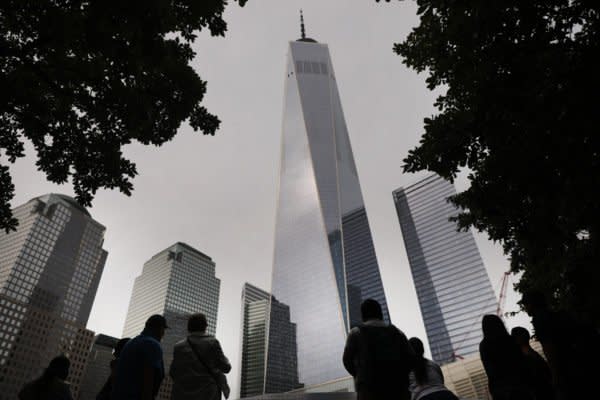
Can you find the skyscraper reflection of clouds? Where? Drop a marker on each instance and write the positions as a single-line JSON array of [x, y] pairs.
[[324, 259]]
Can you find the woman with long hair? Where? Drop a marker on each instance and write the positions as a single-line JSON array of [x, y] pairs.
[[504, 364], [426, 378], [52, 384]]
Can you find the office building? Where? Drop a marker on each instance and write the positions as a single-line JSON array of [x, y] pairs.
[[255, 313], [452, 285], [282, 375], [324, 259], [177, 282], [50, 268], [97, 370]]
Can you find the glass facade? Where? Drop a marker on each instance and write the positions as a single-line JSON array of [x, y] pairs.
[[452, 285], [279, 371], [324, 259], [177, 282], [50, 268], [255, 308]]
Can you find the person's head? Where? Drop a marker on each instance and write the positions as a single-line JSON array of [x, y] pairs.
[[493, 327], [197, 323], [119, 346], [58, 368], [419, 366], [520, 335], [155, 326], [417, 346], [370, 309], [533, 301]]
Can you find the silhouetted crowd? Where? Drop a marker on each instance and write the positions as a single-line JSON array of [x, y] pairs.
[[385, 365], [383, 362], [137, 370]]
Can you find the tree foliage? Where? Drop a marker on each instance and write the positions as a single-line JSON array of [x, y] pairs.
[[520, 112], [82, 78]]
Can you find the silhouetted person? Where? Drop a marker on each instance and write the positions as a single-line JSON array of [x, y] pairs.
[[106, 390], [140, 369], [570, 346], [505, 366], [51, 385], [539, 369], [199, 365], [378, 356], [426, 378]]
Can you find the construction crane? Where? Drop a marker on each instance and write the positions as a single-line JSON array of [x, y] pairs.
[[502, 298], [499, 312]]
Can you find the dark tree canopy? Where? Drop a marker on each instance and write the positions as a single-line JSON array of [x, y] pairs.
[[520, 112], [80, 79]]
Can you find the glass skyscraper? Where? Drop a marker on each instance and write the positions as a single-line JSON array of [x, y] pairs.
[[324, 259], [281, 362], [177, 282], [452, 285], [50, 268], [255, 313]]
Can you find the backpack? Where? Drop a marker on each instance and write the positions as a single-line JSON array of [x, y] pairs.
[[387, 358]]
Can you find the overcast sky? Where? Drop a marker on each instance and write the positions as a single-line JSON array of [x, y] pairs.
[[218, 194]]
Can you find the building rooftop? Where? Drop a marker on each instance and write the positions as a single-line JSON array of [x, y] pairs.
[[57, 197]]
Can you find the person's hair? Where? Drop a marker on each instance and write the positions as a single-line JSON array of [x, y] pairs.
[[154, 322], [119, 347], [197, 323], [493, 327], [419, 368], [534, 298], [370, 309], [520, 335], [57, 368]]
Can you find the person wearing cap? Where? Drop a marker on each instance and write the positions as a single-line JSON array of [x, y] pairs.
[[140, 369]]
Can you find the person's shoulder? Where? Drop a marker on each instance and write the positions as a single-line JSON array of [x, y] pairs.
[[148, 342], [394, 328], [28, 391], [397, 332], [355, 332], [60, 389]]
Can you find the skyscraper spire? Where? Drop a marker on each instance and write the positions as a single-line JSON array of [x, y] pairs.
[[302, 32]]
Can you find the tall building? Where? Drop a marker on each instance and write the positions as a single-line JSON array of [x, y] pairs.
[[282, 359], [97, 369], [177, 282], [324, 259], [452, 285], [255, 313], [50, 268]]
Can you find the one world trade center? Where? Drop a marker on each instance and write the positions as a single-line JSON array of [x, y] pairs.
[[324, 261]]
